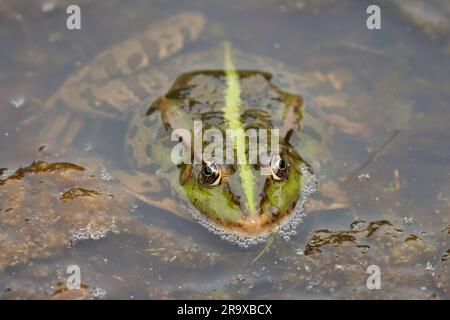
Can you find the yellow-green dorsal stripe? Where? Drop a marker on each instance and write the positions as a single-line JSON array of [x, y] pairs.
[[232, 114]]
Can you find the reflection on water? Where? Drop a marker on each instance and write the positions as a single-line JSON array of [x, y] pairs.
[[386, 97]]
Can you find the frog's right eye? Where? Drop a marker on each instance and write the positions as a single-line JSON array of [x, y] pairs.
[[278, 167], [211, 174]]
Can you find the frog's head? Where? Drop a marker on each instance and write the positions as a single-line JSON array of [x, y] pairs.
[[226, 203]]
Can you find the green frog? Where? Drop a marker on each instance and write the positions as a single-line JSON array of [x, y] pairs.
[[158, 81], [224, 88], [237, 201]]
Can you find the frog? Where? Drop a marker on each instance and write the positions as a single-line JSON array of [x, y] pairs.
[[138, 83], [250, 206], [234, 201], [132, 81]]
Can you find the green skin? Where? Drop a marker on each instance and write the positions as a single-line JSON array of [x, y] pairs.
[[200, 96]]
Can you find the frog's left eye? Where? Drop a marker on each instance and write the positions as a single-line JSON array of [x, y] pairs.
[[211, 174], [278, 167]]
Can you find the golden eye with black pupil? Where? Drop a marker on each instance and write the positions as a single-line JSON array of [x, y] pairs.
[[211, 174], [278, 167]]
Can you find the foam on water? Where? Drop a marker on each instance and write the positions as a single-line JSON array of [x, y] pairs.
[[94, 232]]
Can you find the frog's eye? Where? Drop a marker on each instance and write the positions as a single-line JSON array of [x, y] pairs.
[[211, 174], [278, 167]]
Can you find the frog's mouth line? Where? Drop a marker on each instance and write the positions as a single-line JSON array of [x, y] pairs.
[[286, 229]]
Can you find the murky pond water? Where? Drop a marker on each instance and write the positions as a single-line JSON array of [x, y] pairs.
[[383, 200]]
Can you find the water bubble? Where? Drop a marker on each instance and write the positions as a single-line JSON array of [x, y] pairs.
[[87, 147], [93, 232], [48, 6], [105, 175], [98, 293], [429, 267], [287, 229], [242, 241], [441, 197], [364, 176], [17, 101], [299, 5], [407, 220]]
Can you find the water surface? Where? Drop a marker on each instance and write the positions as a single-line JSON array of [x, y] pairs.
[[396, 174]]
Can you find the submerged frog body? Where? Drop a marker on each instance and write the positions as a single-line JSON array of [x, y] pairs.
[[236, 201], [225, 89]]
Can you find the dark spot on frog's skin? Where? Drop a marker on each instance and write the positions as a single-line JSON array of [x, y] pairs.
[[186, 173], [288, 136], [152, 108], [167, 127], [133, 132], [134, 61], [293, 205], [176, 94]]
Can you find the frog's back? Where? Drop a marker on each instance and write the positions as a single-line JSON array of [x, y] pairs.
[[263, 105]]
